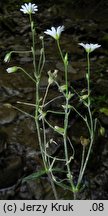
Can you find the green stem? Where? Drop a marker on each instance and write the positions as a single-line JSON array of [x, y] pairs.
[[56, 98], [65, 66], [88, 77], [66, 80], [90, 127], [33, 46], [21, 52], [65, 145], [57, 159], [89, 94], [36, 74], [27, 74], [53, 186], [41, 59], [22, 111], [66, 116], [46, 92], [24, 103], [55, 112], [86, 161], [45, 141], [37, 91], [82, 164], [86, 121], [37, 124], [59, 48]]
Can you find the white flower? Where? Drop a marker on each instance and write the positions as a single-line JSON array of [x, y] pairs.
[[7, 57], [55, 32], [89, 47], [12, 69], [29, 8]]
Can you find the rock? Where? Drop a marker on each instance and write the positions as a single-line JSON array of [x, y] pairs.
[[3, 141], [77, 131], [60, 67], [102, 86], [25, 59], [7, 115], [35, 188], [7, 92], [11, 171], [104, 119], [24, 192]]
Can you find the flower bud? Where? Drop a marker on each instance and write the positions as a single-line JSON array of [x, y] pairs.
[[12, 69], [7, 57], [102, 131], [66, 59]]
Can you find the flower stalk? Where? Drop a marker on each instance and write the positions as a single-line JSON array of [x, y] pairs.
[[91, 125], [66, 116]]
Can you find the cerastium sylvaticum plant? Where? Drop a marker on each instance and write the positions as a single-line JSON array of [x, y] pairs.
[[50, 162]]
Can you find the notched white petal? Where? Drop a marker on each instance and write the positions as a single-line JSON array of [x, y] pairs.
[[29, 8], [89, 47], [55, 32]]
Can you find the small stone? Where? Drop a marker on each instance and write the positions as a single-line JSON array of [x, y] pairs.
[[11, 171], [60, 67], [7, 115]]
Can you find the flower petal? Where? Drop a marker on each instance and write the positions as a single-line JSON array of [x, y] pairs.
[[29, 8], [89, 47], [55, 32]]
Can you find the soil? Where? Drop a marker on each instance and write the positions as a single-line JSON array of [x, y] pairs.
[[86, 21]]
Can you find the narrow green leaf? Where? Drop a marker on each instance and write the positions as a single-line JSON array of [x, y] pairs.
[[35, 175]]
